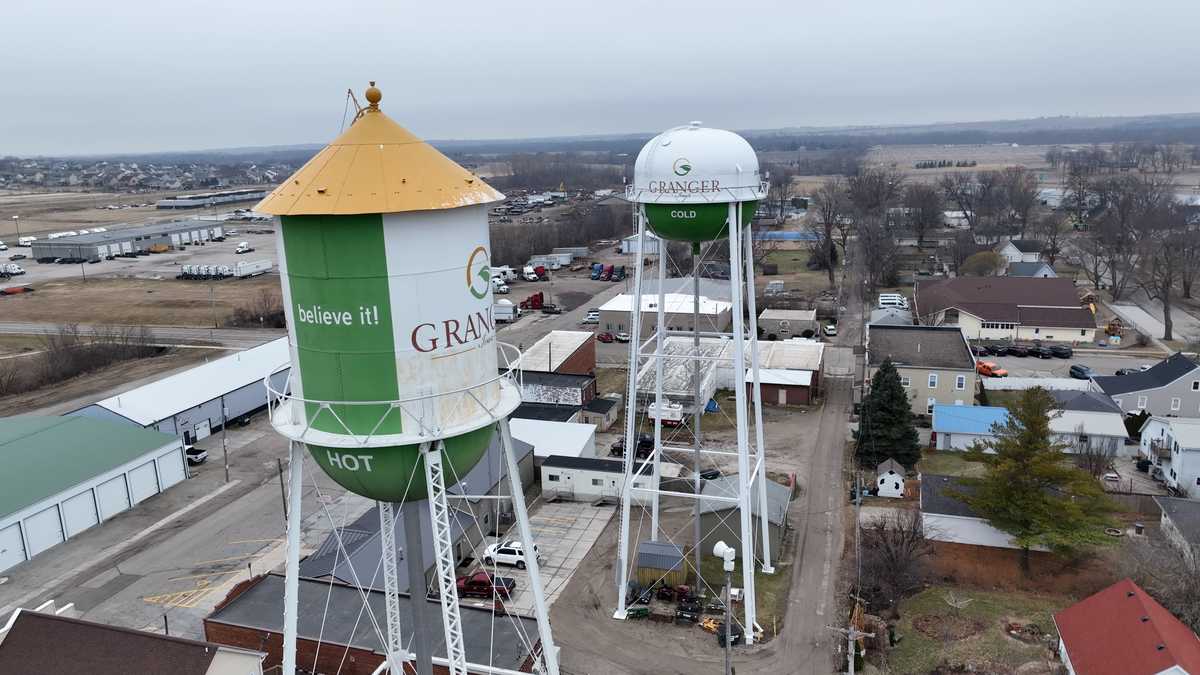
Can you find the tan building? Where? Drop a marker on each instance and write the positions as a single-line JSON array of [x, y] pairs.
[[934, 363], [616, 314], [1006, 308], [782, 324]]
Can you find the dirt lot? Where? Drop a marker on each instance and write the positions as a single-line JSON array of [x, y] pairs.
[[150, 302], [999, 568], [99, 383], [43, 212]]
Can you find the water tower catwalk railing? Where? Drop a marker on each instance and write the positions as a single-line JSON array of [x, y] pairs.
[[751, 467], [292, 416]]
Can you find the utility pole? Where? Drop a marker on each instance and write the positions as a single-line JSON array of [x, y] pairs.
[[17, 224], [224, 445], [728, 556], [852, 635]]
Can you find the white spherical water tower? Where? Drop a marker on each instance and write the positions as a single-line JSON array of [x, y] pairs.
[[695, 184]]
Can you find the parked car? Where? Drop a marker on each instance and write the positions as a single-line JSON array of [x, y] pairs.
[[688, 612], [485, 585], [623, 337], [980, 350], [1040, 352], [830, 329], [1127, 371], [999, 350], [1081, 372], [16, 257], [605, 337], [1020, 351], [195, 455], [644, 447], [1061, 351], [507, 553], [736, 634], [710, 474], [990, 369], [551, 309]]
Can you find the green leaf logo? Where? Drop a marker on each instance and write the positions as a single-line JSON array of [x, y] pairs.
[[484, 275], [682, 167]]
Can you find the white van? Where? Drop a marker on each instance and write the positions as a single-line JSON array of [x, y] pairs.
[[893, 300]]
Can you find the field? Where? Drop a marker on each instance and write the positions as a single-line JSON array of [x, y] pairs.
[[126, 301], [973, 638], [794, 272], [42, 212]]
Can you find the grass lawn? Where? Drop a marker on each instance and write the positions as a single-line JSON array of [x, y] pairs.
[[770, 590], [990, 646], [949, 463], [1001, 399], [791, 261]]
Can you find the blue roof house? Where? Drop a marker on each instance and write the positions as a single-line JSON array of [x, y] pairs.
[[958, 427]]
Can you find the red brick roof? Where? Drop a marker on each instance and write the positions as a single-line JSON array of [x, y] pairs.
[[1122, 631]]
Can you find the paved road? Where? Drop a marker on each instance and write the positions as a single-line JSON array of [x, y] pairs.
[[238, 338]]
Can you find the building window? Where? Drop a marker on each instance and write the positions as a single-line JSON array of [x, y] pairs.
[[1174, 404], [1083, 332], [960, 382], [998, 326], [933, 380], [1036, 331], [597, 481], [553, 478], [1141, 403], [929, 405], [905, 381], [1195, 385]]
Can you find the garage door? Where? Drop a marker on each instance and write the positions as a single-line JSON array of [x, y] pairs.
[[12, 548], [170, 469], [44, 529], [203, 430], [113, 497], [143, 482], [79, 513], [102, 250], [126, 247], [175, 239], [195, 235]]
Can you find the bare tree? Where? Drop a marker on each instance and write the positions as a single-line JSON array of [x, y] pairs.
[[1167, 574], [982, 264], [879, 249], [894, 553], [832, 206], [1052, 229], [964, 247], [1160, 260], [1021, 191], [1093, 454], [923, 209], [1189, 252], [873, 191], [960, 189], [1094, 258]]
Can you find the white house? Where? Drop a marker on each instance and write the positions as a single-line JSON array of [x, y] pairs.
[[1030, 269], [590, 478], [1180, 524], [1173, 444], [958, 427], [946, 518], [1080, 418], [1020, 250]]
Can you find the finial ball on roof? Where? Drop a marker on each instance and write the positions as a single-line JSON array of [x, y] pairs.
[[373, 94]]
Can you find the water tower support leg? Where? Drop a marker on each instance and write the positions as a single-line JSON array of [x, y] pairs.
[[759, 446], [391, 586], [291, 580], [443, 548], [635, 332], [532, 567], [660, 335], [413, 556]]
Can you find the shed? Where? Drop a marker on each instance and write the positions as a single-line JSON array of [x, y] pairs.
[[571, 352], [781, 324], [719, 520], [660, 562], [782, 387], [889, 479], [629, 245], [192, 403], [571, 439], [603, 411], [63, 475], [547, 412]]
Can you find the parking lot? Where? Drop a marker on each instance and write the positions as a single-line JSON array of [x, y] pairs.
[[564, 533], [158, 265], [1103, 363]]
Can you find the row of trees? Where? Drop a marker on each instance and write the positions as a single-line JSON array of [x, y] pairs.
[[514, 243], [69, 351], [1144, 156]]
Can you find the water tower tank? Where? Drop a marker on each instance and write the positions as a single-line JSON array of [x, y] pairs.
[[383, 258], [686, 178]]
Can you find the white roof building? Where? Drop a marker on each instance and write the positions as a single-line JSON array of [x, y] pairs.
[[569, 439], [673, 303], [550, 352]]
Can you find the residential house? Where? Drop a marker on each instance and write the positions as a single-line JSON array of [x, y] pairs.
[[1006, 308], [1020, 250], [1170, 387], [1180, 524], [1038, 269], [35, 643], [1173, 444], [934, 363], [958, 427], [947, 518], [1079, 420], [1123, 631]]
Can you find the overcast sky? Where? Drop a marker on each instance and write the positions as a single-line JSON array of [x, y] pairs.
[[81, 77]]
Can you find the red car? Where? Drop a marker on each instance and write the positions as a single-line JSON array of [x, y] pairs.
[[606, 337], [485, 585]]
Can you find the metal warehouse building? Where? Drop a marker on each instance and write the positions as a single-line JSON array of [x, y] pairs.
[[63, 475], [191, 403], [201, 199], [127, 240]]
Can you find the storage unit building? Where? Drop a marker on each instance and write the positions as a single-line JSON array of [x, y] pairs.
[[586, 479], [660, 562], [193, 403], [782, 387], [127, 240], [781, 324], [63, 475]]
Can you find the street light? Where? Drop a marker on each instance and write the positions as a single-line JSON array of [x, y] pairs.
[[728, 555], [17, 224]]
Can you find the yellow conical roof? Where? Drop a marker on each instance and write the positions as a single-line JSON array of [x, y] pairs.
[[376, 166]]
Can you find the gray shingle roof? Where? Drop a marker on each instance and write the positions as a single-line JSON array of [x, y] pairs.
[[935, 497], [919, 346], [1184, 515], [1026, 269], [1161, 374], [778, 497], [1084, 401]]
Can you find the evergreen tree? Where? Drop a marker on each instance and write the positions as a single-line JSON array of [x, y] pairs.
[[886, 428], [1031, 490]]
